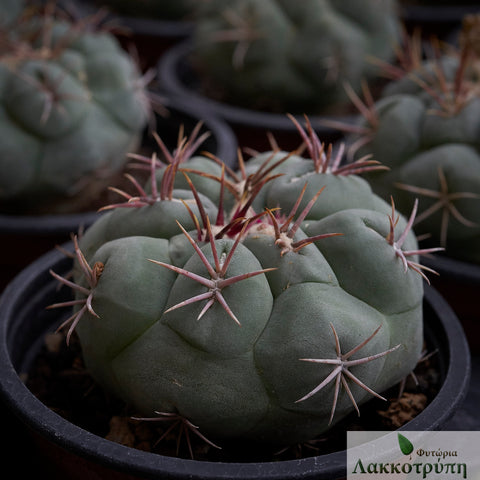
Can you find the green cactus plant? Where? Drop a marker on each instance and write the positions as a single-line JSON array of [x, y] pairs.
[[426, 130], [72, 105], [280, 56], [10, 10], [267, 321]]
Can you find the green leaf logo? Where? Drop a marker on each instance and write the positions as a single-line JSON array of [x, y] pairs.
[[405, 444]]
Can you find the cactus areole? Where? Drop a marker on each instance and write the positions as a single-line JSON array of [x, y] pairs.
[[72, 104], [265, 303]]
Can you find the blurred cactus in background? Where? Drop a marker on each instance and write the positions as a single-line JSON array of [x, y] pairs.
[[426, 129], [72, 104], [10, 11], [283, 56]]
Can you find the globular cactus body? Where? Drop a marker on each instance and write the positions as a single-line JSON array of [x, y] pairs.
[[267, 326], [426, 129], [9, 11], [278, 55], [72, 104]]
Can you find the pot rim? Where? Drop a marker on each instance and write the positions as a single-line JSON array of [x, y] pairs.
[[54, 224], [168, 67], [56, 429]]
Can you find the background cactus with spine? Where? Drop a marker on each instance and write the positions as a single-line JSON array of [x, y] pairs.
[[258, 319], [72, 105], [426, 129], [274, 54]]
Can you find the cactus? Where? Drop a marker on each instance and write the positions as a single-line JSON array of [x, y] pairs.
[[426, 130], [261, 317], [10, 10], [72, 105], [282, 56]]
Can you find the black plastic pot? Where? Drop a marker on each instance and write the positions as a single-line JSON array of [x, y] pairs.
[[177, 77], [64, 450], [459, 283], [23, 238]]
